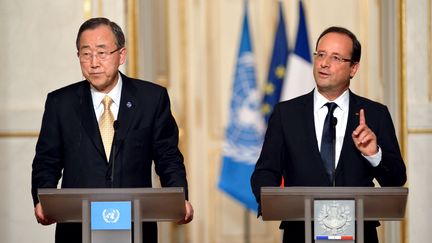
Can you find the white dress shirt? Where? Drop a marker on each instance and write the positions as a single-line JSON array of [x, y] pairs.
[[341, 113], [114, 94]]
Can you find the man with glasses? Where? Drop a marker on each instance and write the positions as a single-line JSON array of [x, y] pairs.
[[108, 117], [330, 136]]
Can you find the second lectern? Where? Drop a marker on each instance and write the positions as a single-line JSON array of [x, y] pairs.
[[329, 208]]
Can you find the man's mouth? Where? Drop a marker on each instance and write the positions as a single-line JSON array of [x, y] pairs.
[[323, 74]]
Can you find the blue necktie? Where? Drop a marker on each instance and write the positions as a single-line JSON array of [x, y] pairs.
[[328, 140]]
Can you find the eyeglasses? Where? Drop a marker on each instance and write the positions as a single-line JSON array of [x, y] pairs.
[[87, 56], [320, 55]]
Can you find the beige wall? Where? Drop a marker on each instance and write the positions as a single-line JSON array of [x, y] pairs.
[[190, 46], [37, 56], [419, 116]]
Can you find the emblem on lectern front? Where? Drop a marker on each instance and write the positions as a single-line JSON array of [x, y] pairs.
[[111, 215], [334, 218]]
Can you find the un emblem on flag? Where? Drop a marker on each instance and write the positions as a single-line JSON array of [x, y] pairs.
[[111, 215], [245, 132], [246, 128]]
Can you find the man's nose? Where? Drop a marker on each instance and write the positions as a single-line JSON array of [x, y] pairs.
[[94, 61], [325, 62]]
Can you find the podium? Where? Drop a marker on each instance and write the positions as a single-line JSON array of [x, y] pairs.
[[296, 204], [148, 204]]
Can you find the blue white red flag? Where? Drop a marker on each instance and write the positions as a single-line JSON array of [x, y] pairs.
[[299, 78]]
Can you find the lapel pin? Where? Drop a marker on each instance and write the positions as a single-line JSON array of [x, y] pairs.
[[129, 104]]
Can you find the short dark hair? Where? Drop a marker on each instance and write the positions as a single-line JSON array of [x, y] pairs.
[[93, 23], [356, 50]]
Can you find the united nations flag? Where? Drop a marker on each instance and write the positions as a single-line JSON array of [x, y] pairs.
[[246, 127]]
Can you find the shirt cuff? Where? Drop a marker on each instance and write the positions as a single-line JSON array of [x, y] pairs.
[[375, 159]]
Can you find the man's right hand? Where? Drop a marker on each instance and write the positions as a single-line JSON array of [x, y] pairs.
[[40, 216]]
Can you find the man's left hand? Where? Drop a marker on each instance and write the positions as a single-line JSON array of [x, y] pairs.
[[364, 138], [189, 213]]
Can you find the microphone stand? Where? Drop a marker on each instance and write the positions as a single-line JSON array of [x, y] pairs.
[[113, 151], [334, 123]]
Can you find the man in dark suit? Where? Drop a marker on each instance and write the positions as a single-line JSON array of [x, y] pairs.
[[70, 144], [365, 146]]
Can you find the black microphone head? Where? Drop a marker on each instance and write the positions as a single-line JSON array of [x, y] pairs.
[[116, 125], [334, 121]]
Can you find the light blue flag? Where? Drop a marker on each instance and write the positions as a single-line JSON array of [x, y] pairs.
[[276, 73], [246, 127]]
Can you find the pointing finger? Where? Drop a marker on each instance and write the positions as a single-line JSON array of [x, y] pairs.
[[362, 117]]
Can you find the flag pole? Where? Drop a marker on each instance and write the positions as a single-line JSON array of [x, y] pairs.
[[246, 226], [246, 219]]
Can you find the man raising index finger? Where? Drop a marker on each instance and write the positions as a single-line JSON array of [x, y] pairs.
[[364, 138], [307, 140]]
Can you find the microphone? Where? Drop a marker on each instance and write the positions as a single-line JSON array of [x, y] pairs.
[[116, 125], [113, 150], [334, 121]]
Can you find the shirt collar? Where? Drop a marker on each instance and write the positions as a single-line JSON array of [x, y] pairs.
[[342, 101], [114, 94]]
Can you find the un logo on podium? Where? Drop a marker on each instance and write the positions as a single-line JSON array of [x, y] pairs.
[[111, 215]]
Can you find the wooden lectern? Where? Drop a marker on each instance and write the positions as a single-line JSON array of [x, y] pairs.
[[148, 204], [296, 204]]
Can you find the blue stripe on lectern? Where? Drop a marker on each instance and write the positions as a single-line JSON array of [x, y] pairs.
[[111, 215]]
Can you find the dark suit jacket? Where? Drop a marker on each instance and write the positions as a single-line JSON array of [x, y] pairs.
[[70, 145], [290, 149]]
